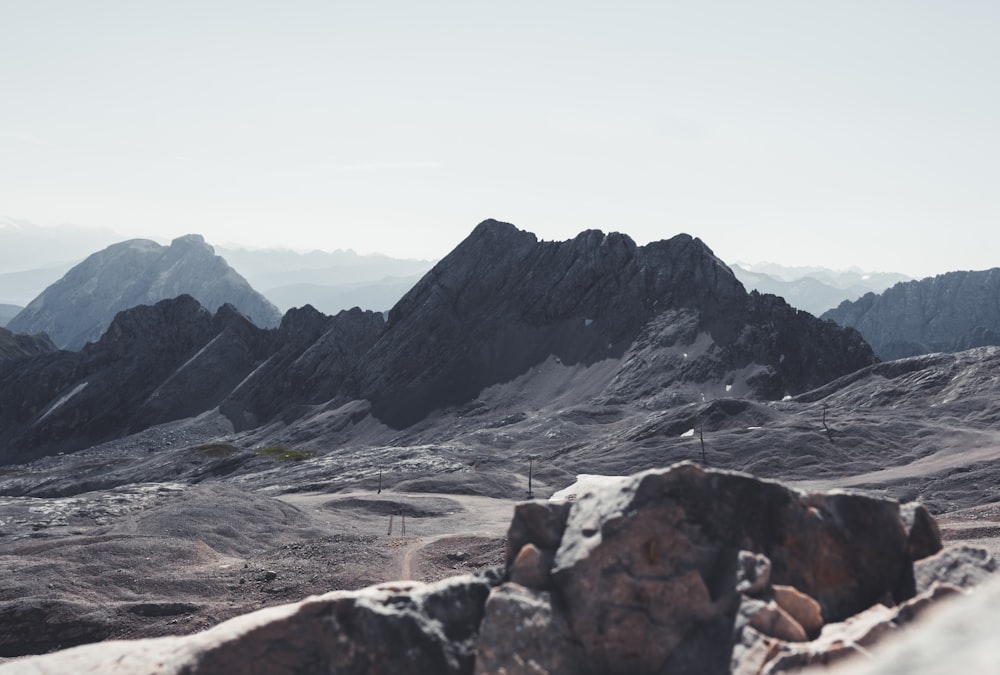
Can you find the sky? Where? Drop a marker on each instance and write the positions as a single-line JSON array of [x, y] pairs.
[[825, 133]]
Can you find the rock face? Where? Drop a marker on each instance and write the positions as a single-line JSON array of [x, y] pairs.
[[15, 346], [677, 570], [502, 302], [79, 307], [947, 313]]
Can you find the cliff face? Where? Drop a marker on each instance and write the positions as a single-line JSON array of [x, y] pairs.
[[947, 313], [78, 308]]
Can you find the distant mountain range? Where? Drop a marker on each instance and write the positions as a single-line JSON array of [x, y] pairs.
[[81, 305], [328, 280], [814, 289], [596, 318], [946, 313], [33, 257]]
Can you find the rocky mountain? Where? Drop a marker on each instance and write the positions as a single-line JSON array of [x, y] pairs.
[[154, 364], [814, 289], [79, 307], [15, 346], [947, 313], [670, 315], [602, 320]]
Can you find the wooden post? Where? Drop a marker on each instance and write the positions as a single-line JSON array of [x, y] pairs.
[[379, 482], [701, 437], [389, 533], [403, 513]]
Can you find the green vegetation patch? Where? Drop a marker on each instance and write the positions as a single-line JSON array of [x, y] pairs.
[[217, 449], [283, 454]]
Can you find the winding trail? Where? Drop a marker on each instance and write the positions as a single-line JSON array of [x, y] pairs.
[[473, 516]]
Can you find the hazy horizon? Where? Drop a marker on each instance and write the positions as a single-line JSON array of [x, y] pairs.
[[838, 135]]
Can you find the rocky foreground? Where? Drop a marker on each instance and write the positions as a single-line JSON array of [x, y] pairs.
[[679, 570]]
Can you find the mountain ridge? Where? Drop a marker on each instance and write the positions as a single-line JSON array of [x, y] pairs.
[[77, 308], [947, 313]]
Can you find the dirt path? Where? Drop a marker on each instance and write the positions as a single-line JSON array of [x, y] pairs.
[[406, 559], [430, 518]]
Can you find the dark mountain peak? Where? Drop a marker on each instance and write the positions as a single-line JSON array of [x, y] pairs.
[[503, 302], [496, 230], [172, 323]]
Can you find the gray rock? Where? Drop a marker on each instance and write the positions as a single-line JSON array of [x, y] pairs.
[[962, 565], [522, 633], [392, 628]]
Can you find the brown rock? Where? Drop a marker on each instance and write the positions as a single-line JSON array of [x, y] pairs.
[[648, 571], [531, 567], [538, 523], [801, 607], [772, 620]]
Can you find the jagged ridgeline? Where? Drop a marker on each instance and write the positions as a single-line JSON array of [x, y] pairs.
[[948, 313], [648, 326]]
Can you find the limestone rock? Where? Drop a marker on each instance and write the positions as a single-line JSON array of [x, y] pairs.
[[523, 633], [963, 566]]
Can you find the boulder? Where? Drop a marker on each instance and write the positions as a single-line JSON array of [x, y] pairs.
[[391, 628]]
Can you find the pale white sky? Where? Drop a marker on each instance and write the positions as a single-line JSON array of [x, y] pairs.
[[831, 133]]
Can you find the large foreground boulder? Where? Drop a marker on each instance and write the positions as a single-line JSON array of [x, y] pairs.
[[678, 570]]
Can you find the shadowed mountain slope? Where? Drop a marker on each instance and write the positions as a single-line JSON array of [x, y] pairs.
[[16, 345], [502, 302], [947, 313], [80, 306]]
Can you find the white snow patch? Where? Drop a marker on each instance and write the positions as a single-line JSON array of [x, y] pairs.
[[200, 352], [752, 428], [587, 322], [76, 390], [787, 397], [688, 433], [585, 482], [685, 354], [729, 387]]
